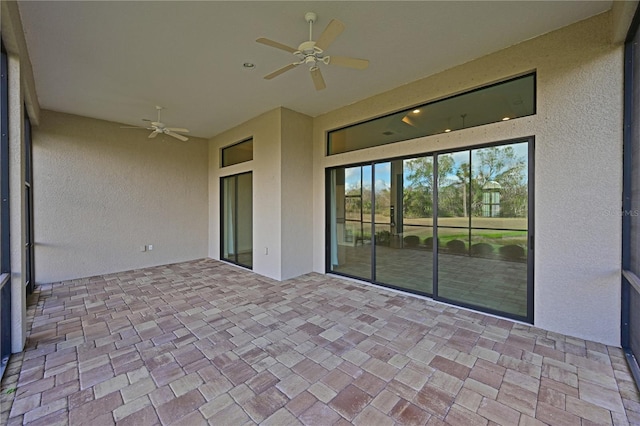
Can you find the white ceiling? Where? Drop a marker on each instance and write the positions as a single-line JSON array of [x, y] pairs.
[[116, 60]]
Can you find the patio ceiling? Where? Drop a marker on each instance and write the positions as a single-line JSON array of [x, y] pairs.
[[117, 60]]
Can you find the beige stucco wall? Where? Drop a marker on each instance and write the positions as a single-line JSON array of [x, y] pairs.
[[266, 133], [282, 196], [578, 165], [297, 197], [101, 192], [17, 206]]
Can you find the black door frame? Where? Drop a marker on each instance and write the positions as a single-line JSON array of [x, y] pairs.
[[235, 218], [529, 318], [629, 280], [5, 241]]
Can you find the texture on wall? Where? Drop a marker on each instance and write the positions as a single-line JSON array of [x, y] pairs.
[[103, 193]]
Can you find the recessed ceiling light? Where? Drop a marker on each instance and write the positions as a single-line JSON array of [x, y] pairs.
[[447, 130], [506, 118], [416, 111], [249, 65]]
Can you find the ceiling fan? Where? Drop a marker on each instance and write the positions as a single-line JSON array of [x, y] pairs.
[[158, 127], [312, 53]]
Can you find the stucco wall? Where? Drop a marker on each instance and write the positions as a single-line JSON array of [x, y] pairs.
[[578, 165], [266, 132], [297, 197], [101, 192], [17, 204], [282, 196]]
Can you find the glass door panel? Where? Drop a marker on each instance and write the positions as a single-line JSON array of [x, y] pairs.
[[499, 226], [387, 238], [245, 220], [229, 208], [350, 227], [404, 224], [237, 219], [483, 228]]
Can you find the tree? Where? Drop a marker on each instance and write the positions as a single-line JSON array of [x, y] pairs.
[[504, 166], [418, 191]]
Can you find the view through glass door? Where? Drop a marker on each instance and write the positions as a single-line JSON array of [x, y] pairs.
[[452, 225], [237, 219]]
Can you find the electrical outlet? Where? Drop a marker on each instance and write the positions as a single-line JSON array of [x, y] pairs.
[[150, 247]]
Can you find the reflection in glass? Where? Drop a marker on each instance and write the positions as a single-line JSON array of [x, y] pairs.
[[505, 100], [404, 224], [500, 194], [453, 189], [237, 153], [482, 228], [350, 221], [386, 211], [237, 219]]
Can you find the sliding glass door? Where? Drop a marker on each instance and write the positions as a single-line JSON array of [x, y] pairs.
[[237, 219], [404, 224], [351, 224], [482, 228], [452, 225]]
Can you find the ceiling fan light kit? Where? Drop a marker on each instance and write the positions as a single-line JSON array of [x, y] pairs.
[[312, 53]]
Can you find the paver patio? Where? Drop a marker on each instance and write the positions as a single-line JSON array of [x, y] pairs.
[[204, 342]]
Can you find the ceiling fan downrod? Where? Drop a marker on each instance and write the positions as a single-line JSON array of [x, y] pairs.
[[310, 17]]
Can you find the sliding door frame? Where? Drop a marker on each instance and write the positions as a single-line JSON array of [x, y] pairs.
[[223, 207], [530, 140], [5, 237], [630, 283]]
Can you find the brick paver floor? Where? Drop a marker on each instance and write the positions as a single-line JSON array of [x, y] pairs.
[[204, 342]]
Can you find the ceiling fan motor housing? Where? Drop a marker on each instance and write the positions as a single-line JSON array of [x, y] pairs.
[[309, 48]]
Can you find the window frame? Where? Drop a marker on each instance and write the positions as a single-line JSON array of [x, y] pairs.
[[235, 145], [407, 110]]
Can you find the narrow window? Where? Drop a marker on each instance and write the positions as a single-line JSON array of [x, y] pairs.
[[502, 101], [237, 153]]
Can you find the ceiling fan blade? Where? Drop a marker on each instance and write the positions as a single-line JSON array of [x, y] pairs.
[[345, 61], [178, 129], [153, 134], [333, 30], [175, 135], [275, 44], [316, 76], [280, 71], [134, 127]]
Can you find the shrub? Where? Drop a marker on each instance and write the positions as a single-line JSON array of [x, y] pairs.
[[481, 249], [512, 252], [456, 246], [411, 241]]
